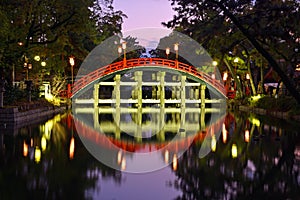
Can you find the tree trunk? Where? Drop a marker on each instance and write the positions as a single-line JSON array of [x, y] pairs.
[[234, 75], [262, 51]]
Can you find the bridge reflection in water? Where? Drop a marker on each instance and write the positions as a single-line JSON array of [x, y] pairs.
[[126, 141]]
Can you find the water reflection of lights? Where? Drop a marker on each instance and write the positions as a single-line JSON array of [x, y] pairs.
[[175, 162], [224, 133], [25, 149], [167, 155], [72, 148], [119, 157], [234, 151], [37, 154], [247, 136], [43, 143], [123, 163], [213, 143]]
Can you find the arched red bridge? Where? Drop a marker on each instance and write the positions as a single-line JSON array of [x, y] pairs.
[[120, 66]]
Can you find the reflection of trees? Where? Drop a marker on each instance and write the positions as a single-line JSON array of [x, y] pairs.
[[265, 168], [56, 176]]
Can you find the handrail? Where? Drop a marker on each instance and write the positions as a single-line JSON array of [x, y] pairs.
[[131, 63]]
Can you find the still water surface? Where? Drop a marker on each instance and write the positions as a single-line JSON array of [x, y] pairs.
[[253, 158]]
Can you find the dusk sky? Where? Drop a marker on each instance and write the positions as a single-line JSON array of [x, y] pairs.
[[143, 14]]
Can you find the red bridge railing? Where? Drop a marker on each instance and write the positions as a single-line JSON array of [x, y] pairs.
[[159, 62]]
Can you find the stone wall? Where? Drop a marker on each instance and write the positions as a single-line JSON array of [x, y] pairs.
[[11, 118]]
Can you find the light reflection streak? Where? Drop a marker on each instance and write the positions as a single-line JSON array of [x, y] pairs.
[[25, 149], [72, 148]]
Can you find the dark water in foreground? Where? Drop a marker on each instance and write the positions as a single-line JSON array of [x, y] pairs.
[[254, 158]]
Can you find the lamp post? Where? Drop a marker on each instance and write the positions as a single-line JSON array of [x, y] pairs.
[[27, 67], [167, 52], [72, 63], [214, 63]]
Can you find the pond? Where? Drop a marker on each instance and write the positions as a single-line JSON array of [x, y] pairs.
[[239, 156]]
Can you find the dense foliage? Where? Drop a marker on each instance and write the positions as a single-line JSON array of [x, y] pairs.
[[258, 30]]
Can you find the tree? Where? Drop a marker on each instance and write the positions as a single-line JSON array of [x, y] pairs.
[[54, 30], [222, 25]]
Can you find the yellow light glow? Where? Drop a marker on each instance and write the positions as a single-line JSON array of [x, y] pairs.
[[119, 49], [123, 163], [167, 155], [247, 76], [234, 151], [176, 46], [43, 143], [224, 133], [37, 155], [72, 148], [119, 157], [213, 143], [247, 136], [37, 58], [236, 60], [25, 149], [225, 76], [256, 122], [255, 98], [72, 61], [167, 50], [175, 162], [124, 45], [43, 63], [214, 63]]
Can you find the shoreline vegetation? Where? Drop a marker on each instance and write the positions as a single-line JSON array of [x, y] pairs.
[[285, 108]]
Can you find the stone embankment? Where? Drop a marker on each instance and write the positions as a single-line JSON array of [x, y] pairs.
[[14, 117]]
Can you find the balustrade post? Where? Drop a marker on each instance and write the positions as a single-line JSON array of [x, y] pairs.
[[96, 106], [182, 95], [202, 96], [162, 99], [118, 104]]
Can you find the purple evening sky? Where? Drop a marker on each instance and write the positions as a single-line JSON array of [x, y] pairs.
[[144, 13]]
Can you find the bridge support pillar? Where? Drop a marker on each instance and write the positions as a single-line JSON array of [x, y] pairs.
[[182, 95], [162, 99], [202, 96], [117, 105], [96, 106], [202, 119], [138, 76]]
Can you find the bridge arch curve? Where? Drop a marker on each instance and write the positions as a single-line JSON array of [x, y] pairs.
[[121, 67]]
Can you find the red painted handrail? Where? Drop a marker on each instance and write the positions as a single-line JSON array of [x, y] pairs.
[[137, 62]]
